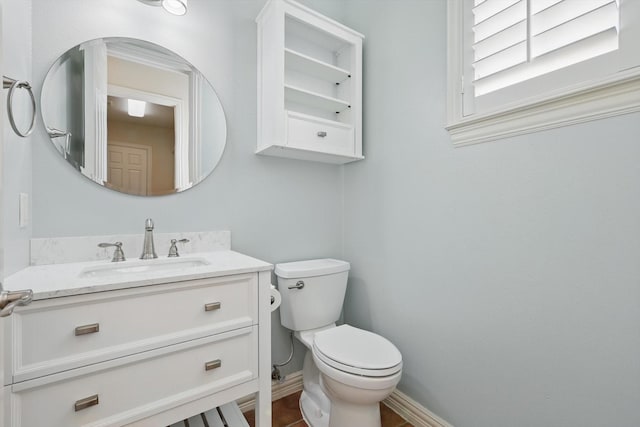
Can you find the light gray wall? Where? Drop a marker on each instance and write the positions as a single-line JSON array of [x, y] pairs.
[[507, 272], [277, 209], [16, 163]]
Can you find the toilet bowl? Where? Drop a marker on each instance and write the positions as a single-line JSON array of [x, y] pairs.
[[358, 369], [347, 371]]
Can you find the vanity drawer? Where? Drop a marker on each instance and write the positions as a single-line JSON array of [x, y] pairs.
[[314, 134], [140, 386], [65, 333]]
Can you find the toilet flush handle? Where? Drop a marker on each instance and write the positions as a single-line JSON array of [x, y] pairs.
[[298, 285]]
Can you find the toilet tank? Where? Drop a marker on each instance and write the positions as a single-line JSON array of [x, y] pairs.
[[312, 292]]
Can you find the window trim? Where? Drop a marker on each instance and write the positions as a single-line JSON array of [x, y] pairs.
[[597, 99]]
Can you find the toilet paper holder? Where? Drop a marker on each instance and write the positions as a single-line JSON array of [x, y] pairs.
[[275, 298]]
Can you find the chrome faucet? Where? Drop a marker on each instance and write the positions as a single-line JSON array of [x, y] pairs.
[[118, 254], [148, 249], [173, 249]]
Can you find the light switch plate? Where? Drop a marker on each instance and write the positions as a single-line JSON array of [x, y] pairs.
[[23, 208]]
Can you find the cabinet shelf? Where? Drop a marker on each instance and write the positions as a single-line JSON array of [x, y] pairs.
[[313, 99], [231, 413], [311, 66], [302, 116]]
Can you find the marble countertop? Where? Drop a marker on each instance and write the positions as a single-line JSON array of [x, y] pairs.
[[60, 280]]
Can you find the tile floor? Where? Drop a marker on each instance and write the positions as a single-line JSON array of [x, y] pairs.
[[286, 413]]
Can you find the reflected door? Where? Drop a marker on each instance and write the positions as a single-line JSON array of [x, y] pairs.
[[128, 168]]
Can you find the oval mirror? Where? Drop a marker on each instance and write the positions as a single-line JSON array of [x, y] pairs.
[[133, 116]]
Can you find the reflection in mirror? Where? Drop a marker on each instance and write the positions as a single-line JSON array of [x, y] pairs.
[[133, 116], [130, 164]]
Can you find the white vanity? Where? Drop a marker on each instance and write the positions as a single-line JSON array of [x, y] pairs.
[[138, 343]]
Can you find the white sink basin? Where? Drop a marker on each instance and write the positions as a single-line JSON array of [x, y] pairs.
[[143, 267]]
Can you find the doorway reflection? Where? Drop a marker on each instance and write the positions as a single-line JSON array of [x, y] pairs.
[[141, 149]]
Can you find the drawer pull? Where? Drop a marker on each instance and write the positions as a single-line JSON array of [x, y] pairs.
[[212, 365], [321, 134], [212, 306], [88, 329], [86, 402]]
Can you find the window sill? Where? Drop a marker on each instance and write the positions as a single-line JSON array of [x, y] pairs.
[[612, 97]]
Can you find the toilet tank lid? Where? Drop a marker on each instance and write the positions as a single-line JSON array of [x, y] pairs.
[[310, 268]]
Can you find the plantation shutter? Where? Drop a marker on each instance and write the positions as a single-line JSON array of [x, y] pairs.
[[516, 40]]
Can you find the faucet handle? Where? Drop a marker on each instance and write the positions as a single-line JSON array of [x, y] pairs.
[[118, 254], [173, 250]]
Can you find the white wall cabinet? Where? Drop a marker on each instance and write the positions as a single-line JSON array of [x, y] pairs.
[[309, 85], [144, 356]]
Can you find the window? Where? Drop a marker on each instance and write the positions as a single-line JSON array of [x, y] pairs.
[[517, 66]]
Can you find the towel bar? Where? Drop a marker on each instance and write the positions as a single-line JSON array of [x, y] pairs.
[[12, 84]]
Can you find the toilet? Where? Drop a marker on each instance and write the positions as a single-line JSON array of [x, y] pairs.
[[347, 371]]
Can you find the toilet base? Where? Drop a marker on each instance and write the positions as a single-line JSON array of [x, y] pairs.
[[355, 415], [312, 414], [355, 401], [314, 404], [334, 398]]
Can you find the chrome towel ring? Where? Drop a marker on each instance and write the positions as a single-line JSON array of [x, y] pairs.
[[12, 84]]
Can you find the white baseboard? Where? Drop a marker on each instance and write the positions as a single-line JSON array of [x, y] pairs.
[[292, 383], [413, 412], [399, 402]]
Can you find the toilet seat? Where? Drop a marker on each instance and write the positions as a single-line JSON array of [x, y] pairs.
[[357, 352]]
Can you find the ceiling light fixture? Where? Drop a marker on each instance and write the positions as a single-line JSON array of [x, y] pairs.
[[176, 7], [136, 108]]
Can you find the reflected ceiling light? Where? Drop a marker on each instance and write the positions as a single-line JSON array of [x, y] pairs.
[[136, 108], [176, 7]]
